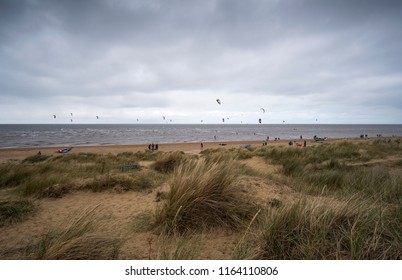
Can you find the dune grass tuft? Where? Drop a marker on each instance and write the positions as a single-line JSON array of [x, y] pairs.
[[12, 174], [135, 181], [15, 211], [76, 241], [179, 247], [327, 230], [40, 185], [167, 162], [203, 195]]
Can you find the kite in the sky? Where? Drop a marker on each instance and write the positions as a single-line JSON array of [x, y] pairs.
[[97, 117], [54, 116], [263, 110], [219, 101]]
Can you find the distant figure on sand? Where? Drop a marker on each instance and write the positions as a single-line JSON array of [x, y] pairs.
[[202, 146]]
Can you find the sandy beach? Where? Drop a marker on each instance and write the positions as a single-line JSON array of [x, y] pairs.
[[194, 148]]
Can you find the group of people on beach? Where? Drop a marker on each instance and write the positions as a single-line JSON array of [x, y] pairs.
[[153, 147]]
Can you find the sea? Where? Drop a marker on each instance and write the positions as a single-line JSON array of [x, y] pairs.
[[55, 135]]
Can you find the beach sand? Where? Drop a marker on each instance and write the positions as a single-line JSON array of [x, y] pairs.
[[194, 148]]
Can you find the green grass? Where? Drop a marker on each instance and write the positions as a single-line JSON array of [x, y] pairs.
[[35, 158], [339, 169], [12, 212], [167, 162], [14, 174], [376, 182], [136, 181], [181, 247], [40, 185], [54, 177], [218, 155], [326, 230]]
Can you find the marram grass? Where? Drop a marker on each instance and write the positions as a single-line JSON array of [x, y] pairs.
[[324, 229], [203, 195], [15, 211], [76, 240]]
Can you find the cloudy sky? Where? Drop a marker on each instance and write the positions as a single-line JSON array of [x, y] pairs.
[[311, 61]]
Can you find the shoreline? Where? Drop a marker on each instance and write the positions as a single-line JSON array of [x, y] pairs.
[[20, 153]]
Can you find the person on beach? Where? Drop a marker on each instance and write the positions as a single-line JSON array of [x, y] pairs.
[[202, 146]]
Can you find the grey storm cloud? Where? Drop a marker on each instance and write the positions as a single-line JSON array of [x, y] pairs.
[[154, 56]]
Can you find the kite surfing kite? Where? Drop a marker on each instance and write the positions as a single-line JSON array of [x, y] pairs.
[[64, 151], [218, 101], [263, 111], [317, 139]]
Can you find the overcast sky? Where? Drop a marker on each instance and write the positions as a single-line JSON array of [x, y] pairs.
[[311, 61]]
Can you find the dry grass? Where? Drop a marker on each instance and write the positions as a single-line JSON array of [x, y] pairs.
[[76, 240], [167, 162], [179, 247], [315, 229], [203, 195]]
